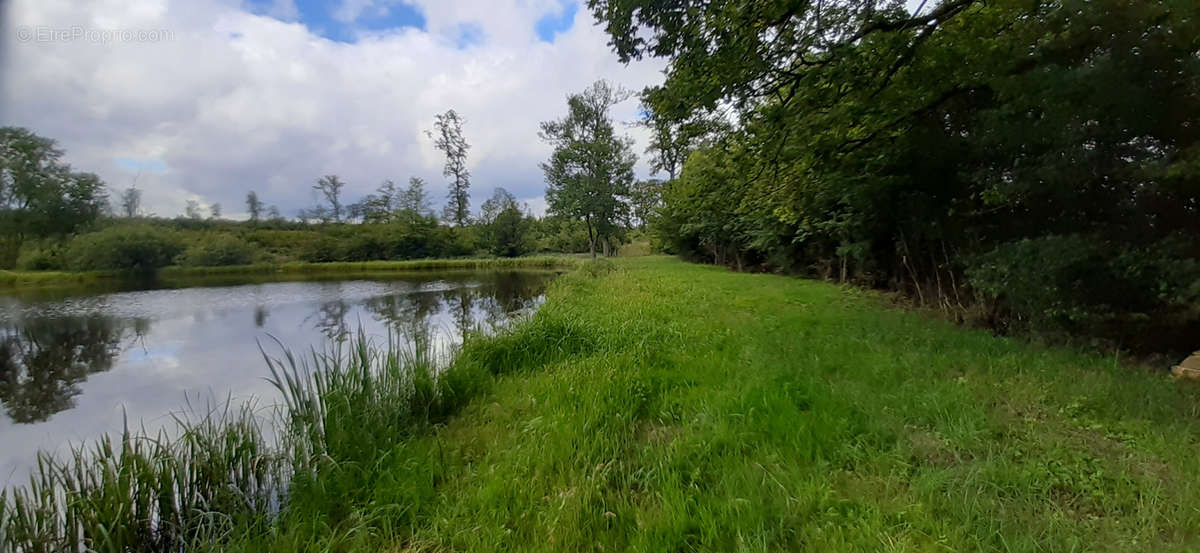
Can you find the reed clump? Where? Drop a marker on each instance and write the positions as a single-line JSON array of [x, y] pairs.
[[224, 471]]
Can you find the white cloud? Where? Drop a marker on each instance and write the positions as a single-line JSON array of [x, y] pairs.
[[233, 101]]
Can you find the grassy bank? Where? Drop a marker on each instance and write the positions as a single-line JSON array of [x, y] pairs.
[[35, 279], [661, 406]]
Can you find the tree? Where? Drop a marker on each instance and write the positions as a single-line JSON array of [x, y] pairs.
[[448, 138], [254, 206], [131, 201], [921, 151], [501, 200], [508, 232], [645, 198], [39, 194], [591, 168], [676, 131], [379, 207], [214, 211], [330, 188], [273, 214], [414, 198], [191, 209]]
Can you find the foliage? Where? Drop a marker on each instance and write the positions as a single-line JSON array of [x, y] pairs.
[[254, 206], [1080, 282], [557, 233], [217, 250], [872, 144], [590, 171], [40, 196], [409, 237], [125, 247], [42, 255], [131, 202], [448, 139], [330, 188], [508, 233], [501, 200]]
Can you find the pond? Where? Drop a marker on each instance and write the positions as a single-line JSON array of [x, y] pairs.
[[75, 365]]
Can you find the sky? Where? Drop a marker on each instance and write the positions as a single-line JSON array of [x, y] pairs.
[[205, 100]]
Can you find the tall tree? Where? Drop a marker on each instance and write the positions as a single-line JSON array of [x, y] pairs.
[[330, 187], [214, 211], [131, 201], [590, 170], [448, 137], [254, 206]]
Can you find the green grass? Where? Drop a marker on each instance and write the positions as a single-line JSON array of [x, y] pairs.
[[32, 279], [653, 405]]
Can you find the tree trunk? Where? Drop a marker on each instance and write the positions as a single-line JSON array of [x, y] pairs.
[[591, 237]]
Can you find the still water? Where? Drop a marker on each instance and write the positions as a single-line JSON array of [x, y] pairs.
[[76, 365]]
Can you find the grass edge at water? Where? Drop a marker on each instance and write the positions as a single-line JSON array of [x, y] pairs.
[[48, 279]]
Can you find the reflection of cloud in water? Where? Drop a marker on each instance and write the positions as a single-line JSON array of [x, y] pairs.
[[164, 348]]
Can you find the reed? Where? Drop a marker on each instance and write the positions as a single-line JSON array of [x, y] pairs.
[[225, 470]]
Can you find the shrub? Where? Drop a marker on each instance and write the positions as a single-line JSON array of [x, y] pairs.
[[1086, 285], [137, 248], [284, 245], [217, 251], [42, 256]]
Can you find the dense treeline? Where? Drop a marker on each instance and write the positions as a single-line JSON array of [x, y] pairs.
[[148, 243], [1034, 163], [54, 218]]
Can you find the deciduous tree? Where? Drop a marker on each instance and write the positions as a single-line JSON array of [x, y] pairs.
[[590, 170]]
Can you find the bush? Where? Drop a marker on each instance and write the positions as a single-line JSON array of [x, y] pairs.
[[42, 256], [137, 248], [217, 251], [284, 245], [1082, 284]]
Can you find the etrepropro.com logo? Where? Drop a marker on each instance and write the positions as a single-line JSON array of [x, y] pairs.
[[90, 35]]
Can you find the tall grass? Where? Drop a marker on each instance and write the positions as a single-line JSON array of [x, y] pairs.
[[228, 470]]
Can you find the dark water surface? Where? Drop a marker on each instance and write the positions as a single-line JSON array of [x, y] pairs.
[[75, 364]]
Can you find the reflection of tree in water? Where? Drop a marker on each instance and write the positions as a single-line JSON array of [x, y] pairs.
[[331, 319], [42, 361], [410, 316], [510, 292], [260, 315], [492, 304]]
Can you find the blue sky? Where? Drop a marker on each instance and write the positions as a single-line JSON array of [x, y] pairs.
[[345, 21], [553, 24]]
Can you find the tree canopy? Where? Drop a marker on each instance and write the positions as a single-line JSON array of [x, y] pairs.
[[947, 152], [590, 171]]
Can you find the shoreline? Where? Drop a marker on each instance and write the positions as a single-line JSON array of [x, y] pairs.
[[25, 280]]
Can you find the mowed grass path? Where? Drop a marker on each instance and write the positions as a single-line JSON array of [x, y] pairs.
[[666, 406]]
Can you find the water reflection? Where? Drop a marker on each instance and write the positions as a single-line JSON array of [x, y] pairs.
[[74, 366], [42, 360]]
